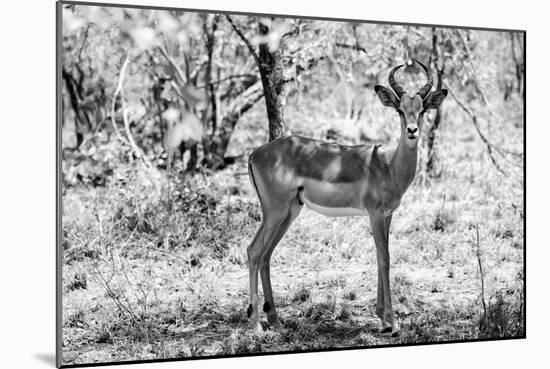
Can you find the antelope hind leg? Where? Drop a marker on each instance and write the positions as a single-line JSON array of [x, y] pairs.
[[380, 230], [253, 252], [279, 232]]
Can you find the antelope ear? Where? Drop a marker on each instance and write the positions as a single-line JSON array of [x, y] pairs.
[[434, 99], [386, 96]]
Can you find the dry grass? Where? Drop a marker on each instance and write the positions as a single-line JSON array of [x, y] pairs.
[[156, 268], [173, 283]]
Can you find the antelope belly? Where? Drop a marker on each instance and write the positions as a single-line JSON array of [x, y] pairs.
[[333, 212]]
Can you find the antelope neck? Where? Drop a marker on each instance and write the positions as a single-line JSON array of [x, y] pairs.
[[403, 163]]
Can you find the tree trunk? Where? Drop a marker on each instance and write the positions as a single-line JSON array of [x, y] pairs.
[[218, 145], [210, 113], [271, 72], [518, 61], [270, 66], [432, 155], [81, 118]]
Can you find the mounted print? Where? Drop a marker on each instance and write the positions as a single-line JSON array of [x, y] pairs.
[[238, 184]]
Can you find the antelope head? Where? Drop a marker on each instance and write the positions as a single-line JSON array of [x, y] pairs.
[[410, 107]]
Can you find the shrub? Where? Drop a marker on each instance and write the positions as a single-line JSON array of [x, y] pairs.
[[504, 315]]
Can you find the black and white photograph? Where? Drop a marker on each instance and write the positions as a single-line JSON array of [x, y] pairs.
[[239, 184]]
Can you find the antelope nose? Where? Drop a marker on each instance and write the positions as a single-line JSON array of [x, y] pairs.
[[412, 129]]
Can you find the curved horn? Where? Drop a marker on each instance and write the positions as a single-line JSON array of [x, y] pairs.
[[423, 92], [399, 91]]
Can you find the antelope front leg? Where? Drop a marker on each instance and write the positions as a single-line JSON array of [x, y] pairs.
[[380, 230]]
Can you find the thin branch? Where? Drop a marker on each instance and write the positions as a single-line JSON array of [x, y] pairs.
[[194, 72], [105, 285], [120, 91], [237, 90], [294, 29], [171, 79], [475, 72], [288, 80], [177, 90], [173, 64], [249, 104], [517, 61], [352, 47], [237, 76], [84, 39], [476, 81], [211, 106], [418, 33], [137, 150], [473, 117], [245, 40], [478, 254], [247, 99], [117, 92]]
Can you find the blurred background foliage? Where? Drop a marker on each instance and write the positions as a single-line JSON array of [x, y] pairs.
[[189, 87]]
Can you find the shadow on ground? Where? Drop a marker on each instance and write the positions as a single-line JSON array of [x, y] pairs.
[[46, 358]]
